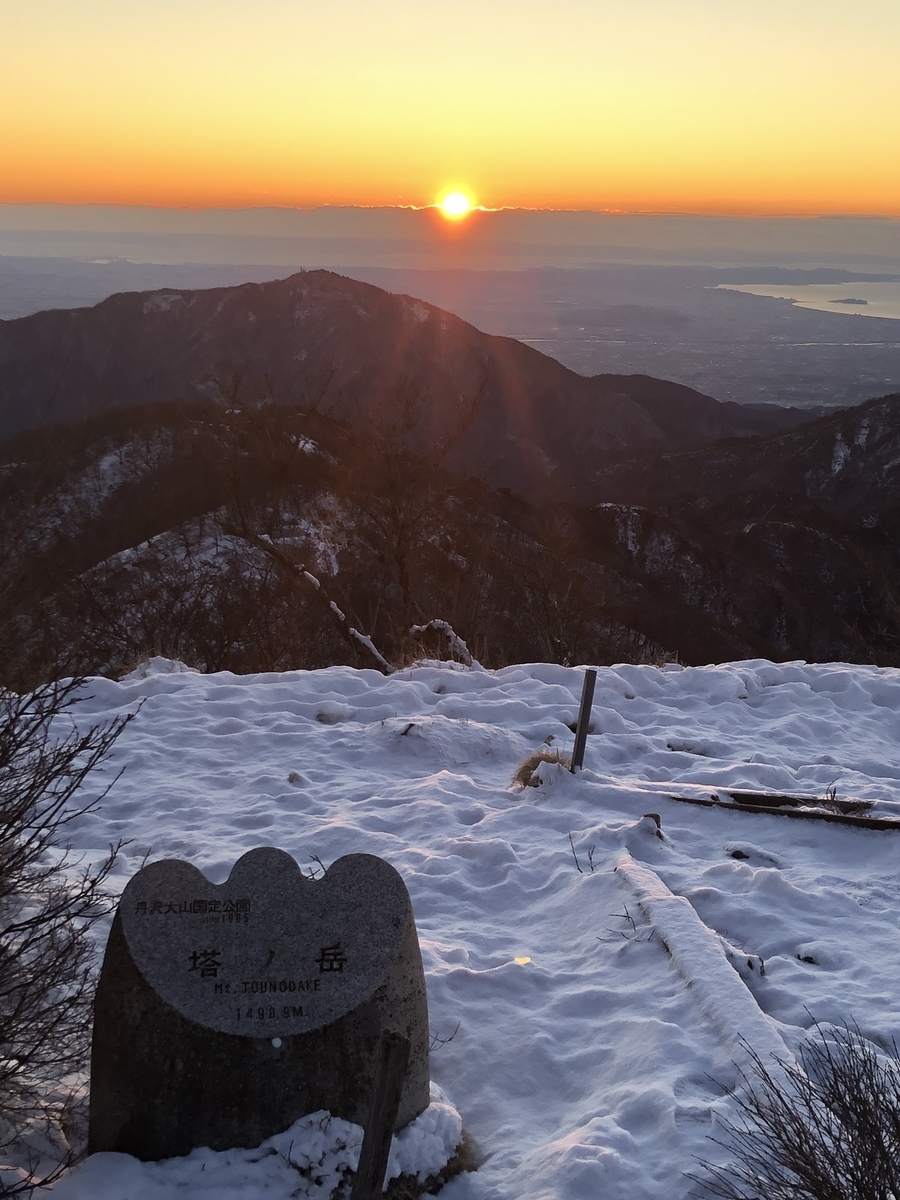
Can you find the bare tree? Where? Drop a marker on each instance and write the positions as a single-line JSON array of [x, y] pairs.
[[48, 904], [397, 489]]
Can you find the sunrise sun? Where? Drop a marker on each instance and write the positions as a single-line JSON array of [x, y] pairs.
[[455, 206]]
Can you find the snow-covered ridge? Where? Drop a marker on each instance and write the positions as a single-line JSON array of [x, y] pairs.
[[83, 494], [577, 1051]]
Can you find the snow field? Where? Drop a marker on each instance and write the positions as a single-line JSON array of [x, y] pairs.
[[585, 1058]]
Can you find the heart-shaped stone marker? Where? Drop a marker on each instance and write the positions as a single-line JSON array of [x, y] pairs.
[[270, 952]]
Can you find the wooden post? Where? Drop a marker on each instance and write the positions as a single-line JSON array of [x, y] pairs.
[[393, 1058], [584, 719]]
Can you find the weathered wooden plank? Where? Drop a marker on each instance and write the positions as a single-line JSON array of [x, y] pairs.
[[801, 813], [376, 1147], [584, 719]]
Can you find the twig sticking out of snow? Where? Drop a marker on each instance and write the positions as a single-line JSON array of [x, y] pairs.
[[455, 644]]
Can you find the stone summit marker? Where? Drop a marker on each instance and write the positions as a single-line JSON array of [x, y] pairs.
[[226, 1012]]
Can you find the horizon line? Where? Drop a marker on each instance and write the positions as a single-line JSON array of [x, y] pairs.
[[740, 215]]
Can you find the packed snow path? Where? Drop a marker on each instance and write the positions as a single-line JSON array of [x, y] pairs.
[[579, 1056]]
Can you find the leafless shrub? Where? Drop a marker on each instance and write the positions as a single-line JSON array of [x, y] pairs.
[[825, 1129], [47, 907]]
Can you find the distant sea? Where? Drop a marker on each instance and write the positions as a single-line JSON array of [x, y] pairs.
[[863, 299]]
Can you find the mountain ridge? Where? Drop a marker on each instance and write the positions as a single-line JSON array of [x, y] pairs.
[[317, 337], [419, 469]]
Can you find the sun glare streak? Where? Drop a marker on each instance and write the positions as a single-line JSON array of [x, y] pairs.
[[455, 206]]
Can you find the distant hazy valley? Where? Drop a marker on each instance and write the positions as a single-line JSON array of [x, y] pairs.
[[680, 323]]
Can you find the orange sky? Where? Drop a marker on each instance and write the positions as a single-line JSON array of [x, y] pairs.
[[700, 106]]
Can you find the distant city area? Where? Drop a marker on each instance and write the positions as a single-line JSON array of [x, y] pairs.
[[677, 323], [682, 323]]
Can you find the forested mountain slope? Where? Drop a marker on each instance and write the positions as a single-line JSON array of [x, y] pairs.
[[187, 529]]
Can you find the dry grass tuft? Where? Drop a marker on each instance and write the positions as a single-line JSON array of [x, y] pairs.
[[526, 773]]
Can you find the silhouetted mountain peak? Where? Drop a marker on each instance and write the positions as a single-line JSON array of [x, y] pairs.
[[317, 338]]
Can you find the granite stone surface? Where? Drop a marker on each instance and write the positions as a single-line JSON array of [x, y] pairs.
[[269, 952], [225, 1012]]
